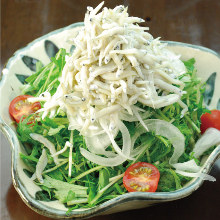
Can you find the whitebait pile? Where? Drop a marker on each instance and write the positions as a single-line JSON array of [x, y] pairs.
[[115, 65]]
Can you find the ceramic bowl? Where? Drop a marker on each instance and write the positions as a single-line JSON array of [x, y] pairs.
[[22, 64]]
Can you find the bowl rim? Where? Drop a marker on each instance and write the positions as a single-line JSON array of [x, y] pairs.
[[134, 196]]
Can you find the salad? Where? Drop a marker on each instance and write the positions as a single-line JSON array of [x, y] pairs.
[[120, 114]]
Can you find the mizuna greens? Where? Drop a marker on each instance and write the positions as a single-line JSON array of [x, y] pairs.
[[120, 98]]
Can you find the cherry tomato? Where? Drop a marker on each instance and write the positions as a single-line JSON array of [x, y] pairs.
[[142, 177], [210, 120], [21, 107]]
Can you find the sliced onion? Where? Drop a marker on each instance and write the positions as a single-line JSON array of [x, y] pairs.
[[33, 177], [139, 131], [126, 149], [108, 162], [113, 161], [200, 175], [41, 164], [97, 145], [67, 144], [210, 138], [190, 166], [47, 144], [191, 169], [125, 136]]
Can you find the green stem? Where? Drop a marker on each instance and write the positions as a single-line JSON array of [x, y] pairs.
[[163, 140], [56, 167], [192, 123], [187, 100], [166, 109], [148, 156], [100, 193], [64, 175], [164, 164], [48, 77], [51, 84], [176, 178], [28, 157], [198, 95], [108, 198], [51, 70], [86, 173], [157, 116], [145, 146], [155, 149], [163, 116], [118, 188], [39, 77]]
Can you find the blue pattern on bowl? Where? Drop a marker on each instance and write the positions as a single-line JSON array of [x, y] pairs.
[[50, 48]]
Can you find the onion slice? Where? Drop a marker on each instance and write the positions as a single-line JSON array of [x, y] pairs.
[[42, 163], [125, 152], [210, 138], [98, 143], [47, 144], [112, 161], [201, 175], [190, 166], [108, 162]]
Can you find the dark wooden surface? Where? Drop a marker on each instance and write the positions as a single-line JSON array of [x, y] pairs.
[[190, 21]]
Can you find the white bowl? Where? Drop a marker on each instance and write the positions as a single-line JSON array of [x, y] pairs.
[[22, 64]]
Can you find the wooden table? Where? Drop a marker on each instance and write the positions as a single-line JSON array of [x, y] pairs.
[[190, 21]]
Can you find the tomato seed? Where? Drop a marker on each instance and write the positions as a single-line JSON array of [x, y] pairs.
[[147, 187], [132, 184], [149, 171]]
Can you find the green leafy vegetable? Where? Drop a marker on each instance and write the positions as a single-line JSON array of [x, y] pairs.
[[64, 191], [46, 78]]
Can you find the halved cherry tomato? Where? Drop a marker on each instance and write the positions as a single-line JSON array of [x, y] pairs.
[[210, 120], [142, 177], [21, 107]]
